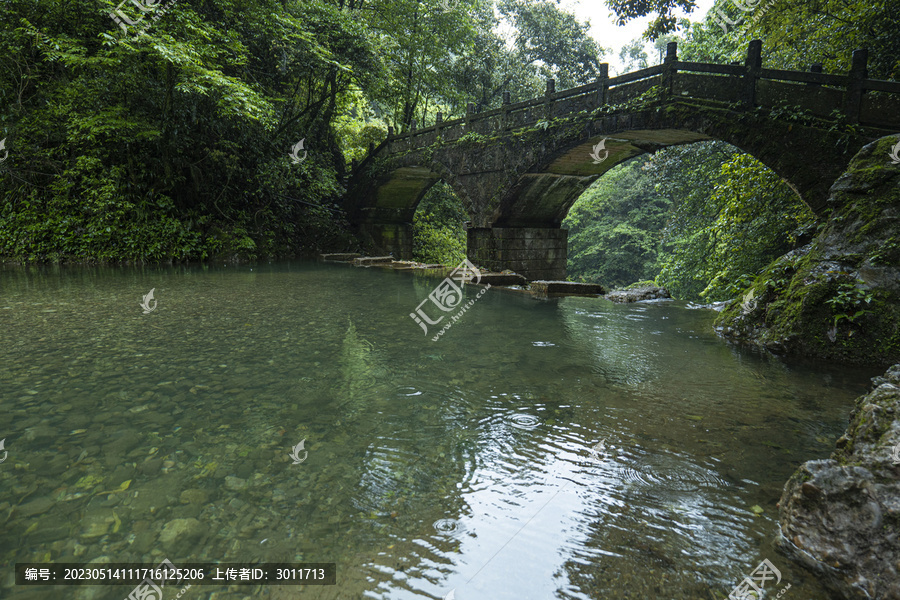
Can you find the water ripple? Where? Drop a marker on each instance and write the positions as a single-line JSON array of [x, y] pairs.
[[523, 421]]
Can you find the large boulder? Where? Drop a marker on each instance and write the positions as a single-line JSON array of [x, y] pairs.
[[840, 517], [837, 298], [638, 294]]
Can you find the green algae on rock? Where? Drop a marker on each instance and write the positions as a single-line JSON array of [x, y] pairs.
[[838, 297]]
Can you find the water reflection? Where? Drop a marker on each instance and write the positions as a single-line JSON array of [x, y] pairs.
[[460, 464]]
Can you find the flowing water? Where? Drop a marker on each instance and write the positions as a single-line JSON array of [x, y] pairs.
[[459, 468]]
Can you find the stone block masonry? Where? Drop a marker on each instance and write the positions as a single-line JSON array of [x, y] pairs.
[[535, 253]]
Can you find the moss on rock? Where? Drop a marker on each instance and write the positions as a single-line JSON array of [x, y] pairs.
[[837, 298]]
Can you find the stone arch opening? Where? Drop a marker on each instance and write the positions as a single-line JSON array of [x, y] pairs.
[[439, 226], [663, 214]]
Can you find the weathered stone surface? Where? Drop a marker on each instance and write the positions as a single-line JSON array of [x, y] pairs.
[[340, 256], [371, 260], [97, 523], [840, 517], [535, 252], [524, 165], [565, 287], [194, 496], [638, 294], [178, 535], [839, 296]]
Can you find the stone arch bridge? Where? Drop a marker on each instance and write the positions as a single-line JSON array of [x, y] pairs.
[[520, 167]]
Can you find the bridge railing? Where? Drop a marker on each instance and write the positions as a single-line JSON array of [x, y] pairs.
[[749, 85]]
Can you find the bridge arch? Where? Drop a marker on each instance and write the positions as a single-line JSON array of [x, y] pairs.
[[519, 168]]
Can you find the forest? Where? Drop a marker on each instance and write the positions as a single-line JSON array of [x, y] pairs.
[[170, 139], [181, 383]]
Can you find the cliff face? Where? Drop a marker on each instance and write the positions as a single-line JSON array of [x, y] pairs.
[[839, 296], [840, 517]]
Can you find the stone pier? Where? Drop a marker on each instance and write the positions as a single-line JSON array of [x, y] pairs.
[[536, 253], [389, 238]]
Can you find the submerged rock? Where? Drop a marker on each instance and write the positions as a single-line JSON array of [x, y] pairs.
[[840, 517], [838, 297], [179, 535], [638, 294]]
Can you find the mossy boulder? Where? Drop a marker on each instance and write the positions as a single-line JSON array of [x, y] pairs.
[[840, 517], [838, 297]]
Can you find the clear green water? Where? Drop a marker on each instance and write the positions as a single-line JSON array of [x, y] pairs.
[[461, 464]]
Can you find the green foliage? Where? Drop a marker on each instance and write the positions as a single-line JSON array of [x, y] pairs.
[[640, 284], [472, 137], [439, 235], [614, 228], [172, 145], [733, 217], [848, 298], [700, 219], [553, 40], [800, 33], [633, 56]]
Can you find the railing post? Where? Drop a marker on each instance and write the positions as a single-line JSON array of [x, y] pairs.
[[815, 68], [390, 139], [751, 74], [371, 148], [470, 111], [548, 98], [504, 114], [858, 71], [412, 126], [438, 121], [353, 164], [669, 70], [603, 85]]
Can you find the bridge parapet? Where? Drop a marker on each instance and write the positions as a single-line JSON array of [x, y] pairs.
[[529, 161], [750, 85]]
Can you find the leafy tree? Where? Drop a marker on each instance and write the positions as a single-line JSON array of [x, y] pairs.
[[615, 226], [633, 56], [553, 40], [439, 235], [663, 11], [172, 144], [803, 32], [733, 216]]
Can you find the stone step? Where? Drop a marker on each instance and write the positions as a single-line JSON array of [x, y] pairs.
[[365, 261], [566, 287], [502, 279], [340, 256]]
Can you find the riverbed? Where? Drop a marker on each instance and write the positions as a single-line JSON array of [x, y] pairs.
[[564, 448]]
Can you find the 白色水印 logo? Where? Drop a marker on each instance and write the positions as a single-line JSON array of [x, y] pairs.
[[448, 296], [144, 8], [295, 452], [752, 588], [294, 154], [894, 154], [145, 303], [748, 305], [601, 146]]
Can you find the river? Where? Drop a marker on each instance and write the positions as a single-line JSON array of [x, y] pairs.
[[459, 468]]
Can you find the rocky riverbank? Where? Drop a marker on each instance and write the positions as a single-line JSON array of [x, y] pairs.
[[840, 517], [838, 297]]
